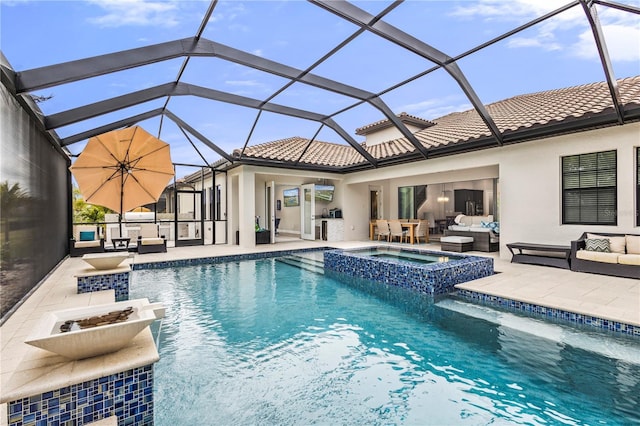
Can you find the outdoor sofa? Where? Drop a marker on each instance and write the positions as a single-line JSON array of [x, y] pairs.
[[621, 259], [482, 229]]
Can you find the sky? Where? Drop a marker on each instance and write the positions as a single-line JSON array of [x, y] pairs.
[[557, 53]]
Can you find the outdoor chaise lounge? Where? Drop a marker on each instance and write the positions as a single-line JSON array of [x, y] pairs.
[[150, 240], [86, 239]]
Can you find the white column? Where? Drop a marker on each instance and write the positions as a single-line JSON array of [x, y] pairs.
[[247, 208]]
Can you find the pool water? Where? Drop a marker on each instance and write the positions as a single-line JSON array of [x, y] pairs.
[[265, 343], [411, 256]]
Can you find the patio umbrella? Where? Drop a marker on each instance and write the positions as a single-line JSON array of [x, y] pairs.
[[123, 169], [141, 210]]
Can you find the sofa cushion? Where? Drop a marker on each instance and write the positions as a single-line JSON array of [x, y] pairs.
[[597, 244], [616, 244], [633, 244], [464, 220], [151, 241], [85, 244], [597, 256], [456, 239], [630, 259], [459, 228]]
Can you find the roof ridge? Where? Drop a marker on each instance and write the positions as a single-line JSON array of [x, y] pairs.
[[525, 111]]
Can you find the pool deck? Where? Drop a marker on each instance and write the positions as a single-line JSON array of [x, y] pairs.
[[611, 298]]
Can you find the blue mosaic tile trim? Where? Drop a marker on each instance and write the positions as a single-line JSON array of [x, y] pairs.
[[127, 395], [118, 282], [551, 313], [221, 259], [432, 279]]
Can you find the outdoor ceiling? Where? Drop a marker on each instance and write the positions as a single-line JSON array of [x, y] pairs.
[[248, 73]]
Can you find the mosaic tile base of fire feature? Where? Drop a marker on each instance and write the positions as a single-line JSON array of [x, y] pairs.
[[118, 282], [127, 395]]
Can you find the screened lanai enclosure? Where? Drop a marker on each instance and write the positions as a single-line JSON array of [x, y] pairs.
[[215, 79]]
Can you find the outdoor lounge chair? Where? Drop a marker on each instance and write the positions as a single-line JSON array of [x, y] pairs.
[[149, 240], [86, 239]]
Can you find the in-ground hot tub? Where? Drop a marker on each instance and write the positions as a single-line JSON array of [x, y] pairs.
[[80, 333], [431, 272]]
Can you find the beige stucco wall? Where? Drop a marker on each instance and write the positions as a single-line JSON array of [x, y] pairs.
[[529, 185]]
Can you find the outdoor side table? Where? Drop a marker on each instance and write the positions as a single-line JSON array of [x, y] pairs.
[[121, 243]]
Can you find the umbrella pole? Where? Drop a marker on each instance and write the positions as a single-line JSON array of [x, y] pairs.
[[121, 200]]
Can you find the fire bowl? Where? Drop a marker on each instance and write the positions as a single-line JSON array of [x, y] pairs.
[[94, 330], [105, 260]]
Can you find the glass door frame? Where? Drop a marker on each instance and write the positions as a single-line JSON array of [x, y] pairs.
[[191, 241], [308, 212]]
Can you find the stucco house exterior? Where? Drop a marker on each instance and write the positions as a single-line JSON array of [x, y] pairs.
[[529, 179]]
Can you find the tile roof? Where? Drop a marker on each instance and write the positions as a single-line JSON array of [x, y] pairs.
[[535, 110], [290, 150], [383, 124]]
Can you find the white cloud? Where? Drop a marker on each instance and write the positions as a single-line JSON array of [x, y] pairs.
[[435, 108], [623, 44], [243, 83], [533, 42], [121, 13], [621, 29], [506, 10]]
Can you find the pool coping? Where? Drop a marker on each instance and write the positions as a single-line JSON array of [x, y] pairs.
[[221, 259], [549, 312]]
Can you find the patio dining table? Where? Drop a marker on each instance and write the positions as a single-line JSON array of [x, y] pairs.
[[410, 226]]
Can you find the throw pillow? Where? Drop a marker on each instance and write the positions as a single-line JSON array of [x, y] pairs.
[[87, 235], [616, 244], [597, 244], [633, 244], [494, 226]]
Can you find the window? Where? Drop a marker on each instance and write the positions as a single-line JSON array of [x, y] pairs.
[[638, 186], [410, 198], [209, 211], [589, 187], [218, 202]]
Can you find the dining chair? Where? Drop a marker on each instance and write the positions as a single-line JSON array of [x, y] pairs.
[[422, 230], [431, 218], [395, 229], [383, 229]]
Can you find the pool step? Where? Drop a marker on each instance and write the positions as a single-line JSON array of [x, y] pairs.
[[309, 263], [558, 333]]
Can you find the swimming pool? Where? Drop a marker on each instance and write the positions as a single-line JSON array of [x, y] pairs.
[[263, 342], [404, 255]]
